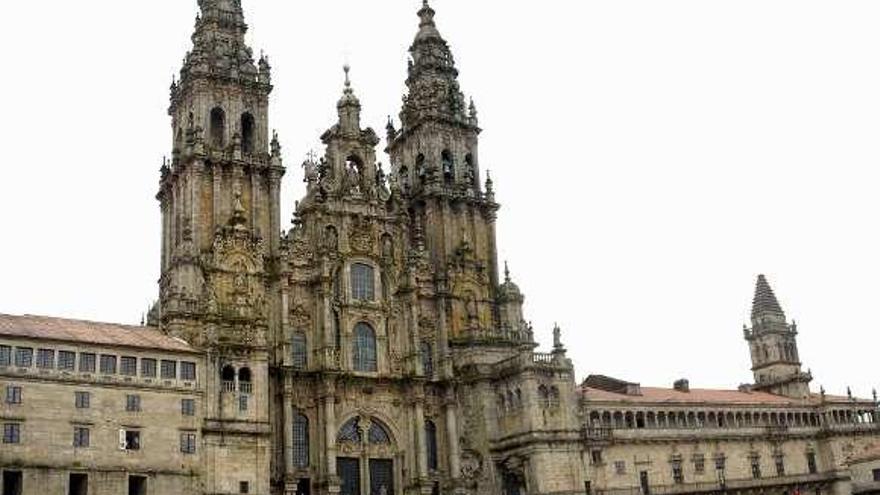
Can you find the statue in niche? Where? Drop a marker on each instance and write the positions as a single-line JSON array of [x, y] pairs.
[[354, 179], [387, 247], [331, 239], [471, 308]]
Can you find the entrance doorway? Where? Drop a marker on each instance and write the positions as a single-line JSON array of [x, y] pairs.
[[645, 485], [78, 484], [12, 483], [349, 470], [381, 477], [304, 487], [137, 485]]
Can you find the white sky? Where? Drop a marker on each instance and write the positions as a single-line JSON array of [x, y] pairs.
[[652, 157]]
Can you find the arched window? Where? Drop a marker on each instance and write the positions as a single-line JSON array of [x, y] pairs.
[[378, 434], [363, 282], [364, 348], [350, 432], [448, 166], [428, 359], [218, 127], [543, 396], [300, 351], [248, 129], [244, 381], [300, 440], [420, 166], [470, 170], [431, 444], [227, 378]]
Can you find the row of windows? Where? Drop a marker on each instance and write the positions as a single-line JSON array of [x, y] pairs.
[[702, 419], [129, 440], [83, 400], [699, 462], [108, 364], [364, 351]]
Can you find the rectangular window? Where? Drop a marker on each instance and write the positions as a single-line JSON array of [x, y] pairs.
[[243, 403], [80, 437], [811, 462], [169, 370], [86, 362], [132, 403], [11, 433], [188, 443], [129, 440], [677, 473], [620, 467], [13, 394], [756, 468], [188, 407], [128, 365], [244, 487], [66, 360], [596, 457], [24, 357], [780, 466], [148, 368], [876, 474], [108, 364], [5, 355], [45, 359], [188, 371], [719, 463], [82, 399], [362, 282], [699, 463]]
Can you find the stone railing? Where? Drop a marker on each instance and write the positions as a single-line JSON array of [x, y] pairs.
[[542, 358]]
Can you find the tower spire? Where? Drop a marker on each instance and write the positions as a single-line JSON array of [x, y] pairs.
[[765, 303]]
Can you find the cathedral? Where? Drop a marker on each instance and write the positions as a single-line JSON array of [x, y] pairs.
[[376, 347]]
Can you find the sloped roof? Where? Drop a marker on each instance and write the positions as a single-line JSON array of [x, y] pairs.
[[89, 332], [655, 395]]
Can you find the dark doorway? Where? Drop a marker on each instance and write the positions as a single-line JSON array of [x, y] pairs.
[[12, 483], [381, 477], [137, 485], [643, 480], [511, 484], [78, 485], [349, 470], [304, 487]]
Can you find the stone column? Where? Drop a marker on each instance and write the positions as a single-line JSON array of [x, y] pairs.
[[217, 176], [452, 437], [274, 211], [329, 403], [288, 430], [419, 435]]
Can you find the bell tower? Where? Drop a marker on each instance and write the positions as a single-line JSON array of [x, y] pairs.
[[219, 198], [435, 167], [773, 345]]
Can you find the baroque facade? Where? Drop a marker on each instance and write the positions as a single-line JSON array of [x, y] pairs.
[[376, 347]]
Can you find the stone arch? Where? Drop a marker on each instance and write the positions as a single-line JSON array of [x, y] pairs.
[[248, 133], [217, 127]]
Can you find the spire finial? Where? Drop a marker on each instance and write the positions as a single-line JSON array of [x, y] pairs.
[[506, 272], [347, 69], [765, 302]]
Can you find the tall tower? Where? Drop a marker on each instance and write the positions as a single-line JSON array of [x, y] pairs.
[[435, 165], [219, 198], [773, 345]]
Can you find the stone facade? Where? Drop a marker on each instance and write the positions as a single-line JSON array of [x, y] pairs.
[[376, 347]]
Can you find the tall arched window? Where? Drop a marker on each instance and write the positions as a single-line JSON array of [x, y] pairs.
[[431, 444], [428, 359], [448, 166], [244, 381], [218, 127], [420, 166], [543, 396], [300, 351], [363, 282], [364, 348], [227, 378], [248, 129], [300, 440]]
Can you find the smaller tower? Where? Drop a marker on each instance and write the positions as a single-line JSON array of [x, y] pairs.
[[773, 344]]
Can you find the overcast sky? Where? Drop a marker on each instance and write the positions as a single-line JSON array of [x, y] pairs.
[[652, 157]]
